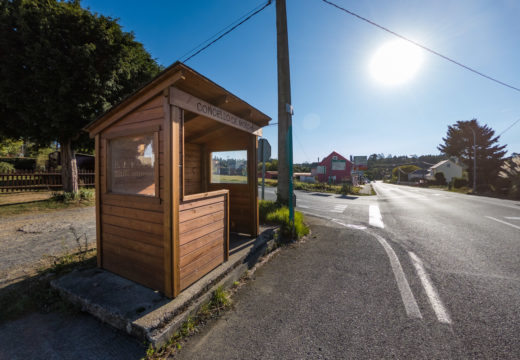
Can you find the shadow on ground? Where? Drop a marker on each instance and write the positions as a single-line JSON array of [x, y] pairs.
[[36, 324]]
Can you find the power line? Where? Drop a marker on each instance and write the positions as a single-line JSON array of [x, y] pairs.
[[225, 31], [509, 127], [421, 46], [303, 149]]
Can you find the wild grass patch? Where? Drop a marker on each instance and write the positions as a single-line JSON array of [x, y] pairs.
[[272, 212], [220, 302]]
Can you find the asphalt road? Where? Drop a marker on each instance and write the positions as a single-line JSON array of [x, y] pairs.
[[409, 273]]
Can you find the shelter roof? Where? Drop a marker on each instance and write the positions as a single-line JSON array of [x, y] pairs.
[[190, 81]]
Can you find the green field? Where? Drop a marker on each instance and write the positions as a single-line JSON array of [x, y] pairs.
[[228, 179]]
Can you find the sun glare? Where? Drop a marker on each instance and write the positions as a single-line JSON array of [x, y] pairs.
[[396, 62]]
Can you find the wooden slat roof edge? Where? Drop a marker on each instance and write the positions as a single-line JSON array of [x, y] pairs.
[[165, 79]]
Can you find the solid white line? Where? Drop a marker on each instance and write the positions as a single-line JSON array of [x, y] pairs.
[[352, 226], [302, 206], [433, 297], [504, 222], [410, 305], [374, 217], [513, 217]]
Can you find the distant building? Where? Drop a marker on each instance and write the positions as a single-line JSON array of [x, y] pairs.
[[450, 169], [418, 175], [334, 168]]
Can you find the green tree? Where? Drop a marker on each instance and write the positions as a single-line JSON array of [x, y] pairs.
[[272, 165], [61, 67], [10, 147], [490, 156]]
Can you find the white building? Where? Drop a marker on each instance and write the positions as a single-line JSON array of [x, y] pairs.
[[449, 168]]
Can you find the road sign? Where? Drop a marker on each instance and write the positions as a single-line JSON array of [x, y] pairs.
[[264, 150]]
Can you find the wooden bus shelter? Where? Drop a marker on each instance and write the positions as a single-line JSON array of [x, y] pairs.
[[175, 173]]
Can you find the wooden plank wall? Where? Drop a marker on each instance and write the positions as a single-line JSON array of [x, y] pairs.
[[192, 168], [132, 226], [202, 228]]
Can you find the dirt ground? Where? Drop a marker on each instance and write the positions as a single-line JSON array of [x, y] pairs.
[[29, 241]]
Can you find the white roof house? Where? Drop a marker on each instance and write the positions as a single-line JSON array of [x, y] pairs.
[[449, 168]]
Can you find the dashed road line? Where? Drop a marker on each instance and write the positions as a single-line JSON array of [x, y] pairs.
[[503, 222], [433, 296], [374, 217]]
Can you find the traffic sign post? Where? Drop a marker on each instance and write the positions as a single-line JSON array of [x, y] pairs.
[[264, 152]]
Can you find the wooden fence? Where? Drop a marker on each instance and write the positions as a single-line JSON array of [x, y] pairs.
[[27, 180]]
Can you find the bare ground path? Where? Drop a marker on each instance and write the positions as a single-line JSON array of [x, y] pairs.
[[27, 241]]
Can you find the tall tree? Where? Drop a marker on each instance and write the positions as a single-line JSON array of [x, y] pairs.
[[490, 156], [62, 66]]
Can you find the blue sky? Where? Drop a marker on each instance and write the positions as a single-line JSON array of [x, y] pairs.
[[337, 103]]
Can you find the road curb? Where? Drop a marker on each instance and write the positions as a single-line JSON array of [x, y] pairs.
[[146, 314]]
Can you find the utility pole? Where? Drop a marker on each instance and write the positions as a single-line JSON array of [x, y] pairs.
[[285, 161], [474, 157], [474, 160]]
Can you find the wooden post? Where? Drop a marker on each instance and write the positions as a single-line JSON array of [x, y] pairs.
[[167, 197], [177, 115], [97, 169]]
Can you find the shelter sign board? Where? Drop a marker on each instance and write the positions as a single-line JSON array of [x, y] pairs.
[[191, 103]]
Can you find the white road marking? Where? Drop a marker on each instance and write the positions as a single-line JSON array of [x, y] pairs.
[[338, 208], [513, 217], [352, 226], [433, 297], [504, 222], [410, 305], [374, 217], [302, 206]]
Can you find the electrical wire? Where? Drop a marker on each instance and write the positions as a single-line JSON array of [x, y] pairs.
[[509, 127], [421, 46], [303, 149], [219, 35]]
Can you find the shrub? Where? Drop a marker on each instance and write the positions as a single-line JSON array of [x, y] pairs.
[[20, 163], [459, 183], [440, 179], [68, 197], [6, 167], [281, 217], [346, 189], [86, 194], [265, 207]]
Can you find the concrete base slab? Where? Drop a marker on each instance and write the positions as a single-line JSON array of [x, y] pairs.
[[147, 314]]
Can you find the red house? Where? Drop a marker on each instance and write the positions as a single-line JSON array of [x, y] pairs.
[[334, 169]]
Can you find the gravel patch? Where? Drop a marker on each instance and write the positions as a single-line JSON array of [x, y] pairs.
[[28, 241]]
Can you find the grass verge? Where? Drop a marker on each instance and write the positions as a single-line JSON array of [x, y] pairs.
[[220, 302], [58, 201], [271, 212]]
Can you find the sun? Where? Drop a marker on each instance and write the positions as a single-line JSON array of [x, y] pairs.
[[396, 62]]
